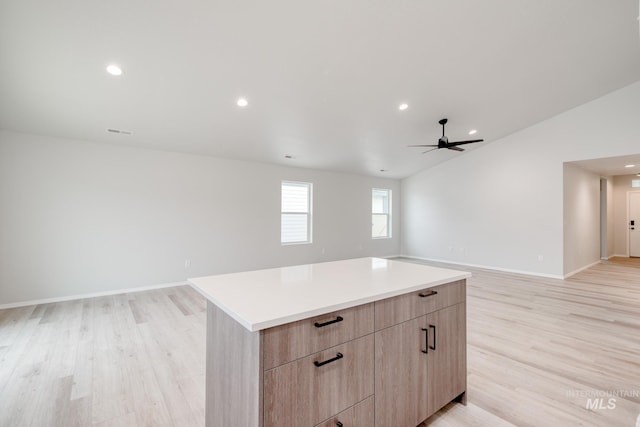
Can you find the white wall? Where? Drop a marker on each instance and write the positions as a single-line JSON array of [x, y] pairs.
[[621, 186], [78, 217], [581, 218], [501, 205]]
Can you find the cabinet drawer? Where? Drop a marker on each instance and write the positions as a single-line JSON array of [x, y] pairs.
[[294, 340], [360, 415], [302, 394], [391, 311]]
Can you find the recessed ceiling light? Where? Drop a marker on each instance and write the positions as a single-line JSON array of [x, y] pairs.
[[384, 170], [403, 107], [473, 132], [114, 70], [242, 102], [630, 166]]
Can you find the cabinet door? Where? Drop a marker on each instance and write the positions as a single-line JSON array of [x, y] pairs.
[[401, 374], [447, 359]]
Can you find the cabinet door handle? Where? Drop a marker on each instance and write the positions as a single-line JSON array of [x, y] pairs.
[[330, 322], [434, 336], [339, 424], [426, 337], [338, 356], [428, 294]]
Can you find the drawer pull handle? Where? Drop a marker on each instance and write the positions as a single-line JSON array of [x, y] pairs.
[[330, 322], [339, 424], [426, 337], [434, 337], [430, 293], [338, 356]]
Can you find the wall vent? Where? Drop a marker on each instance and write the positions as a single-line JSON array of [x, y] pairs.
[[120, 131]]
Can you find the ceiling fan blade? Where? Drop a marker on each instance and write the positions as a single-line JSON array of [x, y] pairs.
[[455, 148], [429, 150], [471, 141], [427, 145]]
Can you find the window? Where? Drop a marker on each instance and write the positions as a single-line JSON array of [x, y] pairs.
[[380, 213], [296, 212], [635, 183]]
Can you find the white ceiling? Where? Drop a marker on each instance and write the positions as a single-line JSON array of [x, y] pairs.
[[612, 166], [323, 78]]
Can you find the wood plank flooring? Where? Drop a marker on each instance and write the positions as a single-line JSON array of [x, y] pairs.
[[538, 350], [126, 360]]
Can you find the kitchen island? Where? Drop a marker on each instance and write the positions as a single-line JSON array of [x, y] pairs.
[[356, 343]]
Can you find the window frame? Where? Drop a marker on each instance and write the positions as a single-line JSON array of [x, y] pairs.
[[309, 212], [389, 234]]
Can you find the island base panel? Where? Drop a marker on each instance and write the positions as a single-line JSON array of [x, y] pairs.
[[234, 372]]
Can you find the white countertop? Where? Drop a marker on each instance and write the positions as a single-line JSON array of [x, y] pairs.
[[265, 298]]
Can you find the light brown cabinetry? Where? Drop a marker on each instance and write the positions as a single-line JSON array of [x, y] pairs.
[[401, 375], [447, 357], [360, 415], [390, 363], [291, 341], [392, 311], [420, 362], [314, 388]]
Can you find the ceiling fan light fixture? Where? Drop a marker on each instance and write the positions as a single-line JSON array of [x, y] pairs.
[[443, 141]]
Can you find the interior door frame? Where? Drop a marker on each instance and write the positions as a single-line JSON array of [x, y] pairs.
[[604, 218], [628, 233]]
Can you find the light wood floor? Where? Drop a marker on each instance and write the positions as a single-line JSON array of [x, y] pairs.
[[127, 360], [538, 349]]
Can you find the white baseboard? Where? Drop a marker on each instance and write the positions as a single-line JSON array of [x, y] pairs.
[[486, 267], [91, 295], [582, 269]]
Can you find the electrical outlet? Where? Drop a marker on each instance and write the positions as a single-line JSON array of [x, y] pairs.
[[540, 258], [187, 264]]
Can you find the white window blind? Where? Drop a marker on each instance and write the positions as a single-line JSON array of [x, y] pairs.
[[380, 213], [295, 224]]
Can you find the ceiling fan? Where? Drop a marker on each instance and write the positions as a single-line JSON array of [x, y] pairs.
[[443, 142]]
